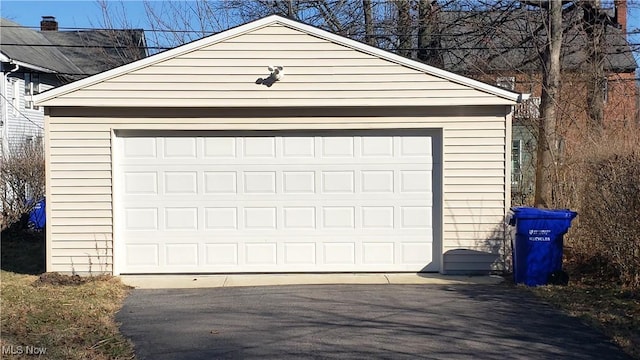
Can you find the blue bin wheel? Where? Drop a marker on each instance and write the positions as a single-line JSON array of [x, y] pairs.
[[559, 277]]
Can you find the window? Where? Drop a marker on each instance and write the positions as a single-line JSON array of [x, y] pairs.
[[506, 82], [31, 87], [516, 162]]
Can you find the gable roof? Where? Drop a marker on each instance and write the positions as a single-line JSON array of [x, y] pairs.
[[499, 93], [73, 54]]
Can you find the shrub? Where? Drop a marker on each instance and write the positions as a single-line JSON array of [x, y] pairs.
[[609, 225], [22, 182]]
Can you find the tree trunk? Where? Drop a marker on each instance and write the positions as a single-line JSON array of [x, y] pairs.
[[404, 27], [547, 138], [428, 45], [290, 11], [595, 27], [368, 23]]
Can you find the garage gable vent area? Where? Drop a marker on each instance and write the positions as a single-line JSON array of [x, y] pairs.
[[322, 69], [276, 147]]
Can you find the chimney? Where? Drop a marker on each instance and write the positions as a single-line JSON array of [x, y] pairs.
[[48, 23], [621, 14]]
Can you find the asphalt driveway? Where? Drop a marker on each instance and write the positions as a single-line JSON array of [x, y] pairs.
[[355, 322]]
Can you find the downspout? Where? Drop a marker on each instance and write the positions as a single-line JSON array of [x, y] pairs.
[[5, 108]]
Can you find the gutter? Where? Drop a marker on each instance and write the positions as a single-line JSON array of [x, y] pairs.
[[5, 108], [34, 67]]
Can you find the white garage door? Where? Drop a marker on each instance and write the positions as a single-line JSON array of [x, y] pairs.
[[200, 202]]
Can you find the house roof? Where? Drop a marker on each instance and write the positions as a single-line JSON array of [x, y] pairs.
[[33, 50], [75, 54], [95, 51], [486, 41], [498, 92]]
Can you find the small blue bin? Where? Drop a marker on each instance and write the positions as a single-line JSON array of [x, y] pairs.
[[37, 217], [537, 247]]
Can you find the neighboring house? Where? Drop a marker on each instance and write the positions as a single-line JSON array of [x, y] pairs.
[[349, 158], [502, 48], [35, 61]]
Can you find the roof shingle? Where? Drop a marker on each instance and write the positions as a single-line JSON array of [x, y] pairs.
[[74, 54]]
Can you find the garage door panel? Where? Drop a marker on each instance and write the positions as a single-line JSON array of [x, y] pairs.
[[259, 182], [343, 201], [376, 253], [220, 182], [251, 255], [180, 182], [376, 217], [259, 218], [138, 147], [298, 182], [415, 181], [223, 254], [178, 150], [415, 252], [339, 253], [179, 147], [293, 216], [377, 146], [181, 254], [300, 253], [221, 218], [214, 184], [415, 147], [298, 147], [259, 253], [219, 147], [258, 147], [137, 219], [180, 219], [142, 255], [299, 217], [136, 182]]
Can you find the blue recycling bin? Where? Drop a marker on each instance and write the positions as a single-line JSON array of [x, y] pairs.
[[537, 247], [37, 217]]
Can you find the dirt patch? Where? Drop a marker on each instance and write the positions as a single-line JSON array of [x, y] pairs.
[[53, 278]]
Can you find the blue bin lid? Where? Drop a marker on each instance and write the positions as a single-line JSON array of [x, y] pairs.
[[525, 212]]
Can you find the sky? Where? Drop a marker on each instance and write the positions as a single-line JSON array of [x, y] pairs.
[[69, 14], [88, 14]]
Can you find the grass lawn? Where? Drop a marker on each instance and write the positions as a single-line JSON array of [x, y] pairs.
[[612, 310], [71, 318], [68, 317]]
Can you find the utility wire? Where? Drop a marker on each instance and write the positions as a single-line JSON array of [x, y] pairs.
[[21, 113], [632, 32], [71, 29], [449, 48], [119, 47]]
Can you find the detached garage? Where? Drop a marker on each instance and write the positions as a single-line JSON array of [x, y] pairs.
[[276, 147]]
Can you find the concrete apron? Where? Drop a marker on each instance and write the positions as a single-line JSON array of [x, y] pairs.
[[235, 280]]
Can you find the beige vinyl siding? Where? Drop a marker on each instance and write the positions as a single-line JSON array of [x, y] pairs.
[[475, 197], [317, 73], [79, 195], [80, 169]]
